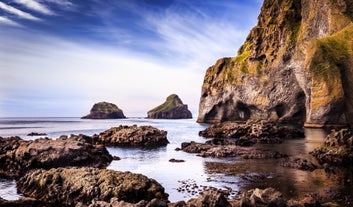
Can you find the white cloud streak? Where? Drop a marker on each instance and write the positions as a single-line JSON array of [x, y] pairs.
[[64, 3], [4, 20], [36, 6], [18, 12]]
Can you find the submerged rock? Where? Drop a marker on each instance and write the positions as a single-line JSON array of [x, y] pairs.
[[132, 136], [70, 186], [18, 156], [172, 108], [299, 163], [105, 110]]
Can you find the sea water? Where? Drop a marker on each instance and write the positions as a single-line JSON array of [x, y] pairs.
[[183, 180]]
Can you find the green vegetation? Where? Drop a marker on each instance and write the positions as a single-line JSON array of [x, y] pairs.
[[332, 53], [105, 107], [171, 102]]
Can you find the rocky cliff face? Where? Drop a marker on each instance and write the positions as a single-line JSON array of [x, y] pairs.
[[105, 110], [172, 108], [295, 66]]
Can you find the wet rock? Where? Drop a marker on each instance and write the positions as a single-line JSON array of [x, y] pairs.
[[252, 132], [69, 186], [298, 163], [132, 136], [114, 202], [17, 156], [209, 150], [210, 199], [246, 153], [338, 149], [105, 110], [176, 160], [36, 134], [23, 202], [265, 197]]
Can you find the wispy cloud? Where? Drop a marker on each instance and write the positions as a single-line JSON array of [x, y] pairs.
[[4, 20], [36, 6], [18, 12], [64, 3]]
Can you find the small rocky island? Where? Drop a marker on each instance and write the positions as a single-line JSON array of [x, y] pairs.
[[172, 108], [105, 110]]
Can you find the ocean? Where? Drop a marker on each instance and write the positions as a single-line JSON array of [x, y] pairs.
[[184, 180]]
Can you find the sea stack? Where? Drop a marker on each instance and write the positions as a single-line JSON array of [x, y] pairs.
[[105, 110], [295, 66], [172, 108]]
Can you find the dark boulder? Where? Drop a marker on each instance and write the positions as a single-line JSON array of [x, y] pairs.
[[70, 186], [132, 136], [17, 156]]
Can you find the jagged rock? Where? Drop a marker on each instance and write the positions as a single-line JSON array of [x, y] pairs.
[[295, 66], [132, 136], [69, 186], [172, 108], [299, 163], [36, 134], [17, 156], [220, 151], [250, 133], [266, 197], [338, 149], [105, 110]]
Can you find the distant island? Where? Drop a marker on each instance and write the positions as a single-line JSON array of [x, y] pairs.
[[105, 110], [172, 108]]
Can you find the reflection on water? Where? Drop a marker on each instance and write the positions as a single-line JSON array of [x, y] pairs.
[[230, 173]]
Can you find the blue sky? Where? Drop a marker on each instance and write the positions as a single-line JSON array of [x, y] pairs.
[[59, 57]]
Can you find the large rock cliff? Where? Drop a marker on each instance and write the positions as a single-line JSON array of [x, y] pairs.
[[296, 66]]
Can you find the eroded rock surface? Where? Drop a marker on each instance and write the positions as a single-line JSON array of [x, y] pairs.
[[70, 186], [18, 156], [337, 149], [295, 66], [250, 133], [132, 136]]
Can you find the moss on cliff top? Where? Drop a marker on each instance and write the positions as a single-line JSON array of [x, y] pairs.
[[171, 102]]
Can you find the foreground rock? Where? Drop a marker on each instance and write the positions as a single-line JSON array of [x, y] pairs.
[[105, 110], [221, 151], [252, 132], [18, 156], [172, 108], [132, 136], [70, 186], [337, 149]]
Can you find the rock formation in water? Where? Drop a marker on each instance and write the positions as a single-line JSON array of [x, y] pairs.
[[296, 66], [172, 108], [105, 110], [132, 136]]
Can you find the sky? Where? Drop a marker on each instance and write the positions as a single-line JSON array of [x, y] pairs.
[[59, 57]]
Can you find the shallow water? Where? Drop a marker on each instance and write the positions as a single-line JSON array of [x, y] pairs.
[[184, 180]]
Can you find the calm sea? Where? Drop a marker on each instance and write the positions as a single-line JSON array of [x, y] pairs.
[[181, 181]]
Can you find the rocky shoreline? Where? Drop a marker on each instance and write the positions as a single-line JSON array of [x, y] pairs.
[[70, 171]]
